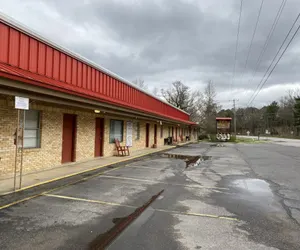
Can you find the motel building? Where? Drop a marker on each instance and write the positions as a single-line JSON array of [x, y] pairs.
[[76, 108]]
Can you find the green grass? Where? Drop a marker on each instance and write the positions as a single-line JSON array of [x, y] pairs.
[[248, 140]]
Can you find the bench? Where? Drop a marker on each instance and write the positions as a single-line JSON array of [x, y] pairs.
[[122, 150]]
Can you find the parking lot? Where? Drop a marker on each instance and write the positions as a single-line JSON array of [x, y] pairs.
[[199, 196]]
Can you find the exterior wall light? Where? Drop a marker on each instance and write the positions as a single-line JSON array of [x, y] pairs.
[[97, 111]]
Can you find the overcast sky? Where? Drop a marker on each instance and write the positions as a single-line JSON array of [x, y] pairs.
[[162, 41]]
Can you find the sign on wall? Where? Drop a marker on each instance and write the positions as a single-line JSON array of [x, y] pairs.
[[21, 103], [129, 128]]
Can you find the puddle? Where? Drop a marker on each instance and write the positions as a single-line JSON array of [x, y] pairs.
[[254, 186], [251, 199], [191, 161], [248, 194]]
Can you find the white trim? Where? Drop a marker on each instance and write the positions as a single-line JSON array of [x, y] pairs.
[[24, 29]]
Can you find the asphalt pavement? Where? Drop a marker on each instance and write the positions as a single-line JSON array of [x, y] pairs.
[[200, 196]]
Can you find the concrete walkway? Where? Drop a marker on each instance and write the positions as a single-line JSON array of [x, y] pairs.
[[42, 177]]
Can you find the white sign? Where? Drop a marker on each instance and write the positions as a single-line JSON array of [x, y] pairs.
[[21, 102], [129, 128]]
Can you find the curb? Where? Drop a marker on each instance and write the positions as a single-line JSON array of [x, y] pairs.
[[35, 190]]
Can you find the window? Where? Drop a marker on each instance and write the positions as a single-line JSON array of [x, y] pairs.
[[137, 131], [161, 131], [116, 130], [32, 138]]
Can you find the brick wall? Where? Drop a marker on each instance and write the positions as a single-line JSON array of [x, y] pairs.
[[8, 120], [50, 152], [85, 144]]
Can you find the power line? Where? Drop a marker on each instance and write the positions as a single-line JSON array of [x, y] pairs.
[[253, 35], [295, 33], [251, 99], [275, 22], [237, 43]]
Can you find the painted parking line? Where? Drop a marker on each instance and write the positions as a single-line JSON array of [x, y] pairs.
[[86, 171], [156, 209], [19, 201], [88, 200], [57, 188], [198, 214], [128, 166], [160, 182]]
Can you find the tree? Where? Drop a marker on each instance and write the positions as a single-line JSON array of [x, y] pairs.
[[182, 97], [156, 92], [249, 119], [277, 117], [208, 108], [140, 83], [297, 114], [178, 95], [286, 110], [271, 115], [225, 113]]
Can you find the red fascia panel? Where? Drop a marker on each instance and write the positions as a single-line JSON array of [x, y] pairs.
[[33, 55], [17, 74], [24, 52], [42, 59], [14, 48], [4, 42], [28, 53]]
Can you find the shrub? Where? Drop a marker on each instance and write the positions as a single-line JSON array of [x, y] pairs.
[[202, 137], [213, 137], [232, 138]]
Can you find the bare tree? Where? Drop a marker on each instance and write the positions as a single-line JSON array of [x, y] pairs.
[[181, 96], [155, 92], [178, 95], [208, 107], [140, 83]]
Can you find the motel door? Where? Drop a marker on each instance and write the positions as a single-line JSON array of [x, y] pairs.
[[69, 138], [155, 134], [147, 134], [99, 136]]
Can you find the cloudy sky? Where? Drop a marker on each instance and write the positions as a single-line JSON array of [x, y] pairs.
[[162, 41]]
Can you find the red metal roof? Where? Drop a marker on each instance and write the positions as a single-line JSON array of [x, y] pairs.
[[17, 74], [28, 58], [224, 118]]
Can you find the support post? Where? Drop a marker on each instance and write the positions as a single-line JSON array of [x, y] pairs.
[[16, 153], [22, 149]]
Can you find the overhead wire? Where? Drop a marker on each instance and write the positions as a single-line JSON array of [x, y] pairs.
[[275, 22], [283, 42], [237, 43], [253, 35], [295, 33]]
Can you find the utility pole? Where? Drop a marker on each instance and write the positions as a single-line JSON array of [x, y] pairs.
[[234, 114]]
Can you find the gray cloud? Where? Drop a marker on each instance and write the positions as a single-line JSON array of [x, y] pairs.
[[166, 40]]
